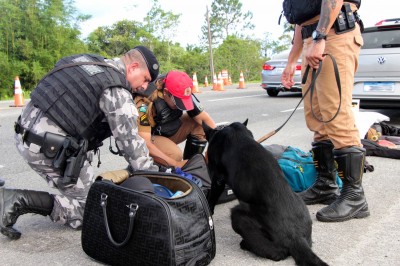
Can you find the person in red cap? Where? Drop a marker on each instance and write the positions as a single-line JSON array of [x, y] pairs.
[[163, 124]]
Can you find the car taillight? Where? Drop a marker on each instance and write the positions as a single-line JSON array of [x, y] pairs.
[[268, 67], [298, 67]]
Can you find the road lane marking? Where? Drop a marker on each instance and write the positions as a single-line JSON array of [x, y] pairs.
[[239, 97], [291, 110]]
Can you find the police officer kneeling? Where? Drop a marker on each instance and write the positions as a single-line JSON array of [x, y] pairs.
[[83, 100]]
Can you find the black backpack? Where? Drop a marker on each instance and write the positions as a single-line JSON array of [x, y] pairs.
[[299, 11], [374, 149]]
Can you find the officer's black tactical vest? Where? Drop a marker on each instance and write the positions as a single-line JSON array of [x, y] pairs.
[[299, 11], [356, 2], [70, 93], [164, 113]]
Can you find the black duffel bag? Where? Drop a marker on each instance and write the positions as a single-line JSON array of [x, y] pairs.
[[122, 226]]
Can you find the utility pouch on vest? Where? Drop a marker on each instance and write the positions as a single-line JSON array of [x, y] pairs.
[[345, 21]]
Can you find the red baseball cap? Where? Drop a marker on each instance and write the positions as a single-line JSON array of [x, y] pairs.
[[180, 85]]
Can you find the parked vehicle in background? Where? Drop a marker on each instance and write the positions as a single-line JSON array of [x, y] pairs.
[[377, 80], [272, 71]]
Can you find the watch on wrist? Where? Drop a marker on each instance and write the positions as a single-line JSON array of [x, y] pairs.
[[317, 36]]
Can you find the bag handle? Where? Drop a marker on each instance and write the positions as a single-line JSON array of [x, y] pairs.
[[133, 207]]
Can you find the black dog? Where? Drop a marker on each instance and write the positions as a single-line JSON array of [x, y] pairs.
[[273, 221]]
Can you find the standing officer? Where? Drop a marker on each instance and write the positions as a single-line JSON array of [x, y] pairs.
[[334, 31], [163, 124], [83, 100]]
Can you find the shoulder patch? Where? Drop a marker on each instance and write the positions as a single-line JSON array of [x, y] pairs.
[[144, 121], [89, 69]]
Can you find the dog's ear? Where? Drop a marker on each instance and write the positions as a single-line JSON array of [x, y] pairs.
[[245, 122], [208, 130]]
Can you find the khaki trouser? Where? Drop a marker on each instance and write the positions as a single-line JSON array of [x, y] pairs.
[[168, 145], [342, 131]]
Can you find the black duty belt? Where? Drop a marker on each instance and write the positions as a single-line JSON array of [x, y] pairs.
[[49, 142], [306, 31], [28, 136]]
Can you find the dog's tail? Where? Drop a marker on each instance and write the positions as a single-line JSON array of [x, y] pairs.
[[303, 254]]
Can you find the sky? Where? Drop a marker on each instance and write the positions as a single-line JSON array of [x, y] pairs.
[[265, 14]]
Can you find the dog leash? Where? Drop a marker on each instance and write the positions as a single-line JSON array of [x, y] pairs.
[[315, 74]]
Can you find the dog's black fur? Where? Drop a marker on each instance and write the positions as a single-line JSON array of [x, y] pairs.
[[273, 221]]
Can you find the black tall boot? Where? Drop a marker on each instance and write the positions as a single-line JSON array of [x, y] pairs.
[[15, 202], [193, 146], [351, 202], [325, 189]]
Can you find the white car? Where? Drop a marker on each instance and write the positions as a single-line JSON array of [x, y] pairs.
[[377, 80]]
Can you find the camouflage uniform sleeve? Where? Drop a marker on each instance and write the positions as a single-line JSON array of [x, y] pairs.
[[122, 116]]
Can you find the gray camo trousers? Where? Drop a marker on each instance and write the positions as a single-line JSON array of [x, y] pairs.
[[69, 202]]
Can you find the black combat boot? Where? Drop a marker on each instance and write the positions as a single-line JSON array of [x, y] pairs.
[[351, 203], [325, 189], [193, 146], [15, 202]]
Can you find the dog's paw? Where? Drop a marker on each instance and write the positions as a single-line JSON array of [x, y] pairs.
[[243, 245]]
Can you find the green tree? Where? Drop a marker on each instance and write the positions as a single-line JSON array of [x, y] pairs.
[[112, 41], [34, 34], [271, 46], [162, 25], [237, 55], [227, 18]]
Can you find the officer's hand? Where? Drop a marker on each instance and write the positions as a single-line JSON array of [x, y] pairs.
[[181, 163], [287, 76], [314, 53]]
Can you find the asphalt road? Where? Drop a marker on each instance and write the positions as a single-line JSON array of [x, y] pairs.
[[371, 241]]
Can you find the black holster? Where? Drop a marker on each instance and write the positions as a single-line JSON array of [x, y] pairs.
[[67, 153], [70, 159]]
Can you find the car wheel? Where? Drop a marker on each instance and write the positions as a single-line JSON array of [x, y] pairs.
[[272, 93]]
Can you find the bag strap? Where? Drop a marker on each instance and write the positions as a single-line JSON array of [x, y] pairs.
[[133, 207], [312, 86], [315, 74]]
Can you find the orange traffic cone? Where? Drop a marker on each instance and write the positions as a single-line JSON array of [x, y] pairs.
[[18, 96], [229, 80], [195, 84], [241, 81], [205, 82], [225, 76], [215, 83], [220, 82]]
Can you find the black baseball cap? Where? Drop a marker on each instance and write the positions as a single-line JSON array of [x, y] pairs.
[[151, 61]]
